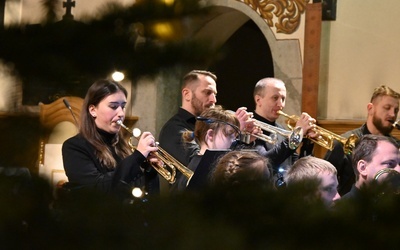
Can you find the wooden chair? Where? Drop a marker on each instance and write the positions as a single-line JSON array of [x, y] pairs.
[[57, 125]]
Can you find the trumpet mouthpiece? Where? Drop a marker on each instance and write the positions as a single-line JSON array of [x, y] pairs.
[[119, 122]]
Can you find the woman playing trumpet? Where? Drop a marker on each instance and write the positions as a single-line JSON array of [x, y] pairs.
[[98, 158]]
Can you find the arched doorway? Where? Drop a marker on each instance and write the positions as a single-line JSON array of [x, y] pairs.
[[246, 59]]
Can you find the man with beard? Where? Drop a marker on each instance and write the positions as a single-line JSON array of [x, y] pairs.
[[199, 91], [382, 113]]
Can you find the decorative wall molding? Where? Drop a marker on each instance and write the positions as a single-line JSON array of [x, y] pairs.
[[284, 15]]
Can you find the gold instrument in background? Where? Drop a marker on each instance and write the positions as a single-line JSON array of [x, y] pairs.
[[295, 136], [170, 164], [326, 137], [397, 124]]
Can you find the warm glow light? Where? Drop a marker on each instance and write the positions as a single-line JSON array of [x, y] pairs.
[[137, 192], [136, 132], [169, 2], [118, 76], [163, 29]]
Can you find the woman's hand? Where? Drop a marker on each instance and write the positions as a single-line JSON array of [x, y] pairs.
[[146, 144]]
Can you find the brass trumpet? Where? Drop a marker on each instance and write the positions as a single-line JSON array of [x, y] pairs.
[[295, 136], [326, 137], [170, 164], [396, 124]]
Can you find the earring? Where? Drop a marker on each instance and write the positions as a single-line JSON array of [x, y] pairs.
[[93, 115]]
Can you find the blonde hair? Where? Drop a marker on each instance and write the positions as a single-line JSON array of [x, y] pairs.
[[307, 168]]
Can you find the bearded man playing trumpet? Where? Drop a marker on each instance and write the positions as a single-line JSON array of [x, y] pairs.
[[270, 97]]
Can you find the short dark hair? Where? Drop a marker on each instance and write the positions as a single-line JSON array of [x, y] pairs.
[[193, 76], [365, 149], [260, 85]]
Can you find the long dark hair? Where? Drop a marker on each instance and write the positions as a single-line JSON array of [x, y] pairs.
[[95, 94]]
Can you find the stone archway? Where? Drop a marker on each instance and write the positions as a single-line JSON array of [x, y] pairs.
[[228, 16], [224, 19]]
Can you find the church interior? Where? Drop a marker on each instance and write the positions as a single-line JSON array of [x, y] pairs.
[[331, 54]]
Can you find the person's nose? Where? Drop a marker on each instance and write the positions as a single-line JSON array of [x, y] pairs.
[[393, 113], [213, 98], [121, 112], [280, 103], [336, 197]]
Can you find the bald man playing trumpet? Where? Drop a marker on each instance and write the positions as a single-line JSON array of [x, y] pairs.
[[270, 97]]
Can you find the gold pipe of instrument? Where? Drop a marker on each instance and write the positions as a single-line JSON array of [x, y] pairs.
[[295, 136], [326, 137], [170, 165], [396, 124]]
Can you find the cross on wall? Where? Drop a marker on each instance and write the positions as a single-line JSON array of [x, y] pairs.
[[68, 5]]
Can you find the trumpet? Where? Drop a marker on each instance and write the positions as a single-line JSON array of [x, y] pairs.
[[396, 124], [295, 136], [170, 164], [326, 137]]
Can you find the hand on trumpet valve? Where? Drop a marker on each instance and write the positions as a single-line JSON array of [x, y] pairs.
[[307, 123], [146, 144], [244, 118]]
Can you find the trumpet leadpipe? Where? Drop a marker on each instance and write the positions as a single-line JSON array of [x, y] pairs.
[[170, 165], [396, 124]]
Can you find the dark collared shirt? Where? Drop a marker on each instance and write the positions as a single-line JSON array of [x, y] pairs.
[[170, 137]]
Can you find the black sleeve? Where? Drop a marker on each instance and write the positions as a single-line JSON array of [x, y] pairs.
[[277, 154], [82, 168], [306, 148], [171, 141], [343, 165]]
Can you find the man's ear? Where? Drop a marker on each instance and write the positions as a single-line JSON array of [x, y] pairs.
[[370, 107], [186, 94], [362, 167], [257, 99]]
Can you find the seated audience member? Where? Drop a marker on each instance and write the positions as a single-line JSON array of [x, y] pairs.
[[98, 157], [218, 131], [310, 168], [372, 154], [241, 168]]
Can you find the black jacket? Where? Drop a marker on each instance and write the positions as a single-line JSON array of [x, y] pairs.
[[84, 170]]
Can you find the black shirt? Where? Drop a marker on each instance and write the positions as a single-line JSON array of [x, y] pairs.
[[280, 156], [170, 137]]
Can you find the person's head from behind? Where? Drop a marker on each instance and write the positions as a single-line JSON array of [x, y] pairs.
[[269, 97], [215, 132], [383, 109], [371, 154], [241, 168], [314, 169], [199, 91]]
